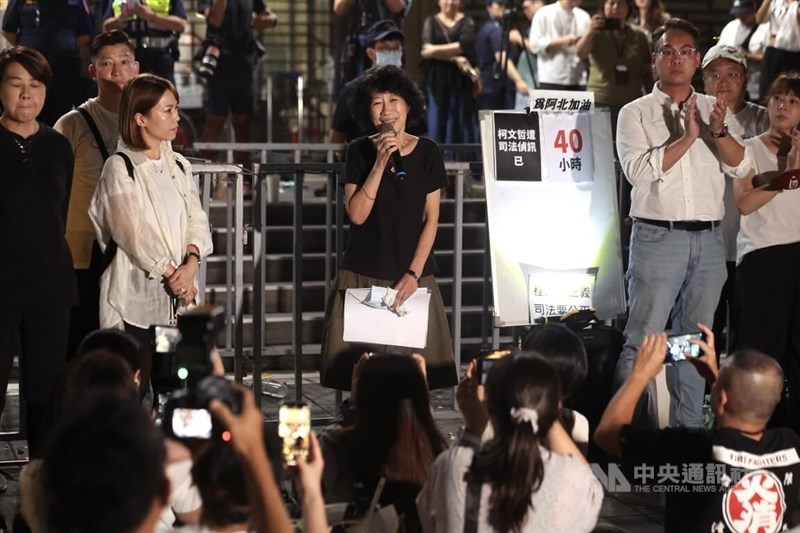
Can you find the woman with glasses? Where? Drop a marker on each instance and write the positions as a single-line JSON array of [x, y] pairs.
[[36, 277], [147, 204], [768, 245], [619, 57], [392, 190]]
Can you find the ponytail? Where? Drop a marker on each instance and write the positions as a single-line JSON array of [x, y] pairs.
[[514, 476], [522, 393]]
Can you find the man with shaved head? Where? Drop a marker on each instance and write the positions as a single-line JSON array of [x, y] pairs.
[[739, 476]]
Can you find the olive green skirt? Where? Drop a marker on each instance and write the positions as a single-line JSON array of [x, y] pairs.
[[339, 357]]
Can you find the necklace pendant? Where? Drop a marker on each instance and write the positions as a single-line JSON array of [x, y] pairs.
[[392, 169]]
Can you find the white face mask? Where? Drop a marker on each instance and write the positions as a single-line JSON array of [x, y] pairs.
[[392, 57]]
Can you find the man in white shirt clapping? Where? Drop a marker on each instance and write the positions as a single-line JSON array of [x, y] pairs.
[[669, 144]]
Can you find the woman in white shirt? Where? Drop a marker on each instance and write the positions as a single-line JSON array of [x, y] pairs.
[[530, 477], [768, 244], [783, 44], [146, 202]]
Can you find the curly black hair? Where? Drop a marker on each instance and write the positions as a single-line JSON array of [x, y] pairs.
[[388, 79]]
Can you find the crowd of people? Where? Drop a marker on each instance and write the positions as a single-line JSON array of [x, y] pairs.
[[102, 227]]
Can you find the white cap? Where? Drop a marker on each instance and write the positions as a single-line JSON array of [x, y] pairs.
[[722, 51]]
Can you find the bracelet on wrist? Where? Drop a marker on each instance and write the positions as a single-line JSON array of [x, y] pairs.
[[195, 255], [413, 275]]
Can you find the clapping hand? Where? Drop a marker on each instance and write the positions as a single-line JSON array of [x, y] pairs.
[[716, 122], [691, 128]]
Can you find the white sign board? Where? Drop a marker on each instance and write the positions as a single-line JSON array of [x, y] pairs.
[[542, 219]]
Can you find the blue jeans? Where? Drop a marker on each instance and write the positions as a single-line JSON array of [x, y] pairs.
[[679, 275]]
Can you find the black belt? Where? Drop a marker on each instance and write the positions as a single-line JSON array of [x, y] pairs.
[[685, 225]]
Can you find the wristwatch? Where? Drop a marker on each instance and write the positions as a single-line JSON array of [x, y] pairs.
[[721, 134]]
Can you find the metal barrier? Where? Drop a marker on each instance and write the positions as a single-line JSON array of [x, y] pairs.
[[333, 209], [328, 152], [206, 173]]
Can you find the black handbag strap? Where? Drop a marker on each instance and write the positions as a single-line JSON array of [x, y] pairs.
[[101, 145], [111, 248], [746, 43]]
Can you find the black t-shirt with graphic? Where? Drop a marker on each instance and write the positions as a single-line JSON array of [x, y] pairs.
[[717, 481], [384, 245]]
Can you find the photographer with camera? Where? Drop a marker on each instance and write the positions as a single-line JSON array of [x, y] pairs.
[[619, 57], [741, 460], [229, 64], [154, 25]]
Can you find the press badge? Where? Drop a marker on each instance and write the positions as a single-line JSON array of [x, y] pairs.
[[621, 76]]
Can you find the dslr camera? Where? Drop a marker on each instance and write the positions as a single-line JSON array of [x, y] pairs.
[[182, 369]]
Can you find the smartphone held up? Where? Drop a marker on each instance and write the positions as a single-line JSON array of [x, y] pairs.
[[485, 360], [294, 427], [679, 348]]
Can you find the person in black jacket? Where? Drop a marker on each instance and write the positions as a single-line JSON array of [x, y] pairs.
[[36, 276]]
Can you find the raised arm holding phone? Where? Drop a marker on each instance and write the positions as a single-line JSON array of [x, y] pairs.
[[742, 455]]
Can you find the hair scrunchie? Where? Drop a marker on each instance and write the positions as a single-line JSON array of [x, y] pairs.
[[522, 415]]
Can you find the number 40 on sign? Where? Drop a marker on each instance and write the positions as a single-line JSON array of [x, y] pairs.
[[567, 148]]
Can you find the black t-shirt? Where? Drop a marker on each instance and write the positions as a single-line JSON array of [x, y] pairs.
[[235, 34], [384, 245], [36, 180], [717, 481]]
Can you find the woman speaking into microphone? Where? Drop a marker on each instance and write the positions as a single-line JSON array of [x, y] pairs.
[[392, 185]]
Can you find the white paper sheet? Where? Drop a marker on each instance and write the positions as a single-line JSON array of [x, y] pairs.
[[363, 323]]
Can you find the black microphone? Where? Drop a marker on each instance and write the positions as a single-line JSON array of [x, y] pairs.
[[397, 159]]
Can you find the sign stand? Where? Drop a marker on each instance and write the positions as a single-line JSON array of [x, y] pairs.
[[552, 209]]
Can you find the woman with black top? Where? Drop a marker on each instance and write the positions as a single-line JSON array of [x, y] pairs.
[[36, 277], [447, 51], [393, 224]]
